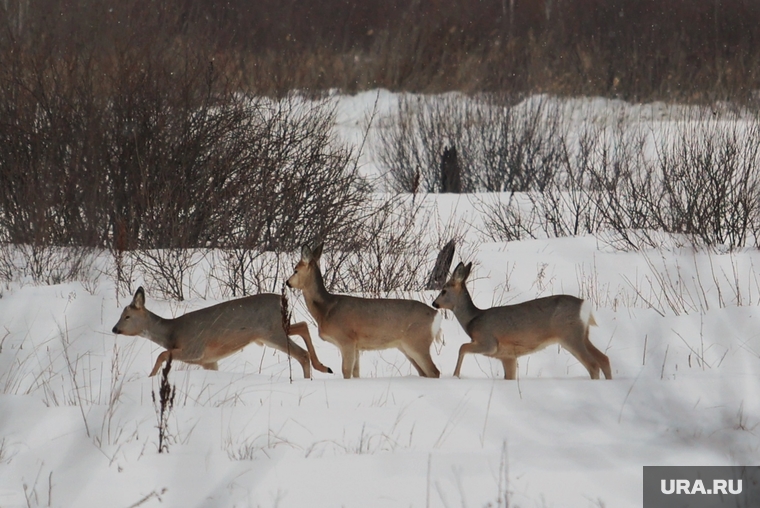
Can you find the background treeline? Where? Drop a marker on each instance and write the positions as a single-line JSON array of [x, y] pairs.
[[551, 168], [148, 127], [636, 50], [139, 129], [121, 127]]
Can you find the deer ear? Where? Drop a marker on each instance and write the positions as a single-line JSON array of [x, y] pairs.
[[306, 253], [467, 270], [138, 301], [317, 252], [459, 273]]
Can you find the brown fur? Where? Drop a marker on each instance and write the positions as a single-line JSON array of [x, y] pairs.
[[205, 336], [362, 324], [509, 332]]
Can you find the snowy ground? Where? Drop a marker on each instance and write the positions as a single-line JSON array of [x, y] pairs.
[[78, 425]]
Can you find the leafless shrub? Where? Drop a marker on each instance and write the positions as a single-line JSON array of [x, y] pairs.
[[520, 147], [564, 208], [131, 141], [306, 184], [561, 205], [168, 271], [386, 253], [509, 217], [45, 264], [257, 174], [500, 146], [7, 264], [159, 151], [241, 272], [702, 184], [391, 250], [611, 154], [711, 178], [412, 142], [122, 270], [698, 181]]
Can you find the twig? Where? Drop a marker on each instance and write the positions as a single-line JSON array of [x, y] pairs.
[[504, 475], [638, 293], [167, 392], [427, 489], [73, 372], [630, 389], [7, 333], [644, 359], [488, 409], [147, 498], [699, 357]]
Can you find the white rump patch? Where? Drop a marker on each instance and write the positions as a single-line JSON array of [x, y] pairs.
[[587, 317], [436, 328]]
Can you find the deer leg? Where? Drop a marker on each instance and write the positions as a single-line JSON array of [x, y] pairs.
[[601, 359], [349, 358], [164, 356], [302, 329], [510, 368], [579, 351], [283, 343], [357, 362], [414, 364], [184, 355], [159, 361], [301, 356], [422, 362], [488, 347]]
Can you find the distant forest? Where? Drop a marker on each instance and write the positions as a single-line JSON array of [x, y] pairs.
[[637, 50]]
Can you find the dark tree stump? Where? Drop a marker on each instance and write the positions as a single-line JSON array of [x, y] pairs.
[[442, 266], [451, 179]]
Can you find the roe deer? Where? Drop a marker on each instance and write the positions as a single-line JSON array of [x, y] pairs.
[[362, 324], [205, 336], [511, 331]]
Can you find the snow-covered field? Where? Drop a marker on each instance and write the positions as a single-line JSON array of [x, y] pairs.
[[78, 425]]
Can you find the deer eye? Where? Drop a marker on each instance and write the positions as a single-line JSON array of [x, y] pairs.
[[443, 292], [126, 317]]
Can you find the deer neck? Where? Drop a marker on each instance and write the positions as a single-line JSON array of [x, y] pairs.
[[318, 299], [159, 330], [465, 310]]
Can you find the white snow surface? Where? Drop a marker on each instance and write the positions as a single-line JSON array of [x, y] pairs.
[[78, 427]]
